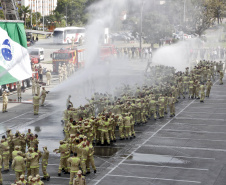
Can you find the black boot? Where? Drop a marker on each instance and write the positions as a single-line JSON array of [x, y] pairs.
[[43, 178]]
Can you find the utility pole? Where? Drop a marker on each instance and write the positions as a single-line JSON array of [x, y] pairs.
[[66, 15], [36, 20], [141, 26], [184, 11], [43, 23], [31, 17]]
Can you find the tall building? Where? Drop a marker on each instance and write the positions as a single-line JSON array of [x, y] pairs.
[[45, 7]]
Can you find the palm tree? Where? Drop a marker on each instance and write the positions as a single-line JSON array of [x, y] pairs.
[[25, 10]]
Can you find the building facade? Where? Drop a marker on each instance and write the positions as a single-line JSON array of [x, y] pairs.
[[45, 7]]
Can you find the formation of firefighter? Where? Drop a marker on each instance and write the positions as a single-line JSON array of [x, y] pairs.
[[103, 115], [97, 121]]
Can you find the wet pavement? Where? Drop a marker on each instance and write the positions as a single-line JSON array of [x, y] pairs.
[[187, 149]]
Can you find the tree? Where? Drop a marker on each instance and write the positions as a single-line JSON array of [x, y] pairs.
[[1, 13], [219, 7], [23, 12], [74, 11]]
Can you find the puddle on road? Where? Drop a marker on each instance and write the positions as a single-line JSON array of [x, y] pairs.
[[105, 151], [153, 158]]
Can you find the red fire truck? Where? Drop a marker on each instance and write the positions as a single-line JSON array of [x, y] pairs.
[[76, 56], [68, 55], [107, 52]]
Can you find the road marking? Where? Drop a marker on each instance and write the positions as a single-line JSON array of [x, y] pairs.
[[43, 116], [116, 166], [194, 131], [200, 169], [139, 177], [212, 103], [14, 117], [202, 113], [208, 108], [189, 139], [188, 148], [176, 123], [205, 119]]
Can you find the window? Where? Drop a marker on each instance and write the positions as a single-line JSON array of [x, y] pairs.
[[58, 33]]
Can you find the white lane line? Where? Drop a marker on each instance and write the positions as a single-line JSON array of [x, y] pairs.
[[199, 169], [15, 117], [161, 179], [176, 123], [203, 113], [205, 119], [116, 166], [178, 138], [194, 131], [207, 108], [43, 116], [187, 148], [206, 102]]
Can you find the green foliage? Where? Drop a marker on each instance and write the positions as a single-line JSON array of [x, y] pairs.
[[73, 11], [24, 11], [2, 17]]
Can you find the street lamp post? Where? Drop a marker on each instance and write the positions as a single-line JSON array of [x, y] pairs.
[[43, 22], [141, 26], [184, 11], [66, 15]]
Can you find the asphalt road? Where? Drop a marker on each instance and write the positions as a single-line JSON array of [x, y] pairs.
[[185, 150]]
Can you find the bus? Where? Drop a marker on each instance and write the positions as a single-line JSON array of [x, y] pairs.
[[66, 34]]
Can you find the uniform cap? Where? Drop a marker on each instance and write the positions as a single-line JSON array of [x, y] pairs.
[[37, 176], [30, 148], [34, 179], [8, 129], [17, 147], [72, 135], [61, 141], [84, 137], [19, 153], [22, 177], [79, 172]]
